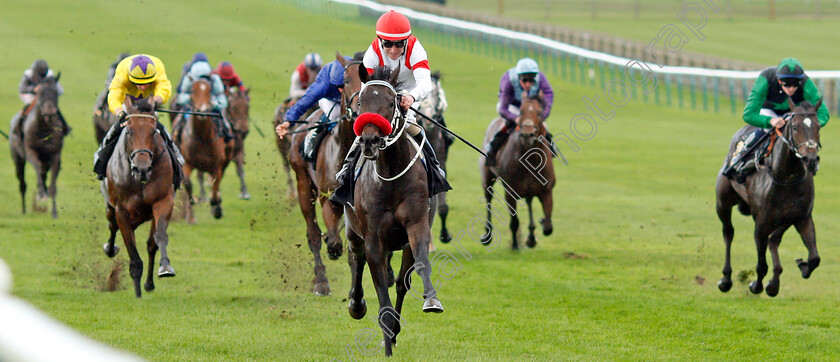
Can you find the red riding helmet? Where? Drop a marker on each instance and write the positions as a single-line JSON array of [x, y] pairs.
[[225, 70], [393, 26]]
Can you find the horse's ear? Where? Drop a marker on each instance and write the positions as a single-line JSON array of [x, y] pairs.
[[819, 103], [57, 76], [363, 73], [790, 103], [129, 105], [394, 75], [341, 59]]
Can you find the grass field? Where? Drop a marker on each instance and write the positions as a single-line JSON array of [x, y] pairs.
[[804, 37], [630, 272]]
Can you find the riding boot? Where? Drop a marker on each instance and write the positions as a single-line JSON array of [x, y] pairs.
[[551, 143], [65, 128], [103, 154], [227, 133], [343, 194], [493, 147], [178, 128], [311, 142], [174, 155], [435, 176]]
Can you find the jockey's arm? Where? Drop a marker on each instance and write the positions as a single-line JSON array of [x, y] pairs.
[[423, 80], [752, 110], [26, 85], [812, 94], [219, 98], [548, 96], [505, 98], [163, 87], [116, 93]]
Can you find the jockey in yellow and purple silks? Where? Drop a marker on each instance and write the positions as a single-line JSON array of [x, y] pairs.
[[138, 76]]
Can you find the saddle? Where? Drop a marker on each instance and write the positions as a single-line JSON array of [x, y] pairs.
[[752, 159]]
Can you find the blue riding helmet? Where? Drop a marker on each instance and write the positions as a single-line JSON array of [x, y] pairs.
[[199, 57]]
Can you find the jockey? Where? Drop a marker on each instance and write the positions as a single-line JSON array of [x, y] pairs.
[[29, 82], [767, 105], [197, 57], [137, 76], [304, 75], [524, 77], [102, 98], [202, 70], [395, 47], [229, 77], [326, 91]]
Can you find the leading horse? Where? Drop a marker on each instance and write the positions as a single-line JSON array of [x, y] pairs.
[[780, 194], [319, 183], [138, 188], [39, 139], [391, 206], [203, 148], [516, 169]]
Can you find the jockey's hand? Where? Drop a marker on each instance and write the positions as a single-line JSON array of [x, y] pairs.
[[119, 111], [158, 101], [406, 101], [777, 122], [282, 129]]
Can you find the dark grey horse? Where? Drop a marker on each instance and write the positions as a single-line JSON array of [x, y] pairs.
[[780, 194]]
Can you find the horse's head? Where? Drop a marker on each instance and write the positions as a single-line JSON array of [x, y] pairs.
[[378, 107], [803, 132], [352, 86], [47, 95], [140, 129], [201, 96], [530, 118], [238, 108]]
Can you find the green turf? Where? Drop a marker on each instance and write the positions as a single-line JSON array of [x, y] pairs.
[[795, 32], [630, 272]]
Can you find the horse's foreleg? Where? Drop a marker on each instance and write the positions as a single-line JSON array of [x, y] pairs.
[[292, 193], [809, 238], [443, 212], [308, 197], [202, 195], [41, 179], [547, 201], [188, 195], [55, 166], [162, 212], [20, 164], [418, 236], [136, 264], [388, 318], [514, 220], [151, 248], [215, 197], [111, 249], [761, 235], [332, 214], [488, 199], [532, 240], [240, 170], [775, 238], [403, 285], [356, 259], [725, 215]]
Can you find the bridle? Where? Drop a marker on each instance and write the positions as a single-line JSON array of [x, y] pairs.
[[349, 113], [140, 150], [786, 136]]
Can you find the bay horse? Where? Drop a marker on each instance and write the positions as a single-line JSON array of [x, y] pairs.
[[391, 209], [433, 106], [138, 188], [779, 194], [318, 184], [39, 139], [524, 144], [284, 144], [203, 148], [238, 114]]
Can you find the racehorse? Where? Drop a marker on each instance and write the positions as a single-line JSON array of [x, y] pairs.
[[284, 144], [203, 148], [237, 110], [103, 119], [433, 106], [391, 209], [319, 183], [38, 139], [138, 188], [779, 194], [515, 160]]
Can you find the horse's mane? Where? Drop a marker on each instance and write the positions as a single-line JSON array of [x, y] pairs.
[[145, 105], [383, 73], [805, 104]]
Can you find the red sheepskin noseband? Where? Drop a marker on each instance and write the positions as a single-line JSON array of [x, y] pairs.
[[375, 119]]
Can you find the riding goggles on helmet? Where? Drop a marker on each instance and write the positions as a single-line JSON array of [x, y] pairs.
[[791, 82], [528, 78]]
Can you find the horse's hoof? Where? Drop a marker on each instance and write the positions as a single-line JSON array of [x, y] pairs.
[[357, 310], [116, 250], [322, 289], [445, 237], [486, 238], [149, 286], [432, 305], [807, 267], [244, 196], [217, 212], [531, 242], [725, 284], [166, 271], [772, 288], [756, 287], [547, 227], [334, 253]]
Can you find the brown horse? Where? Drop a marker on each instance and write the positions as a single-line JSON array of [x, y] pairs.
[[284, 144], [516, 168], [237, 112], [38, 139], [779, 194], [433, 106], [203, 148], [319, 183], [391, 208], [138, 188]]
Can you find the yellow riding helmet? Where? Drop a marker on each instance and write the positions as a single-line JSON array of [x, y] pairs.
[[142, 70]]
